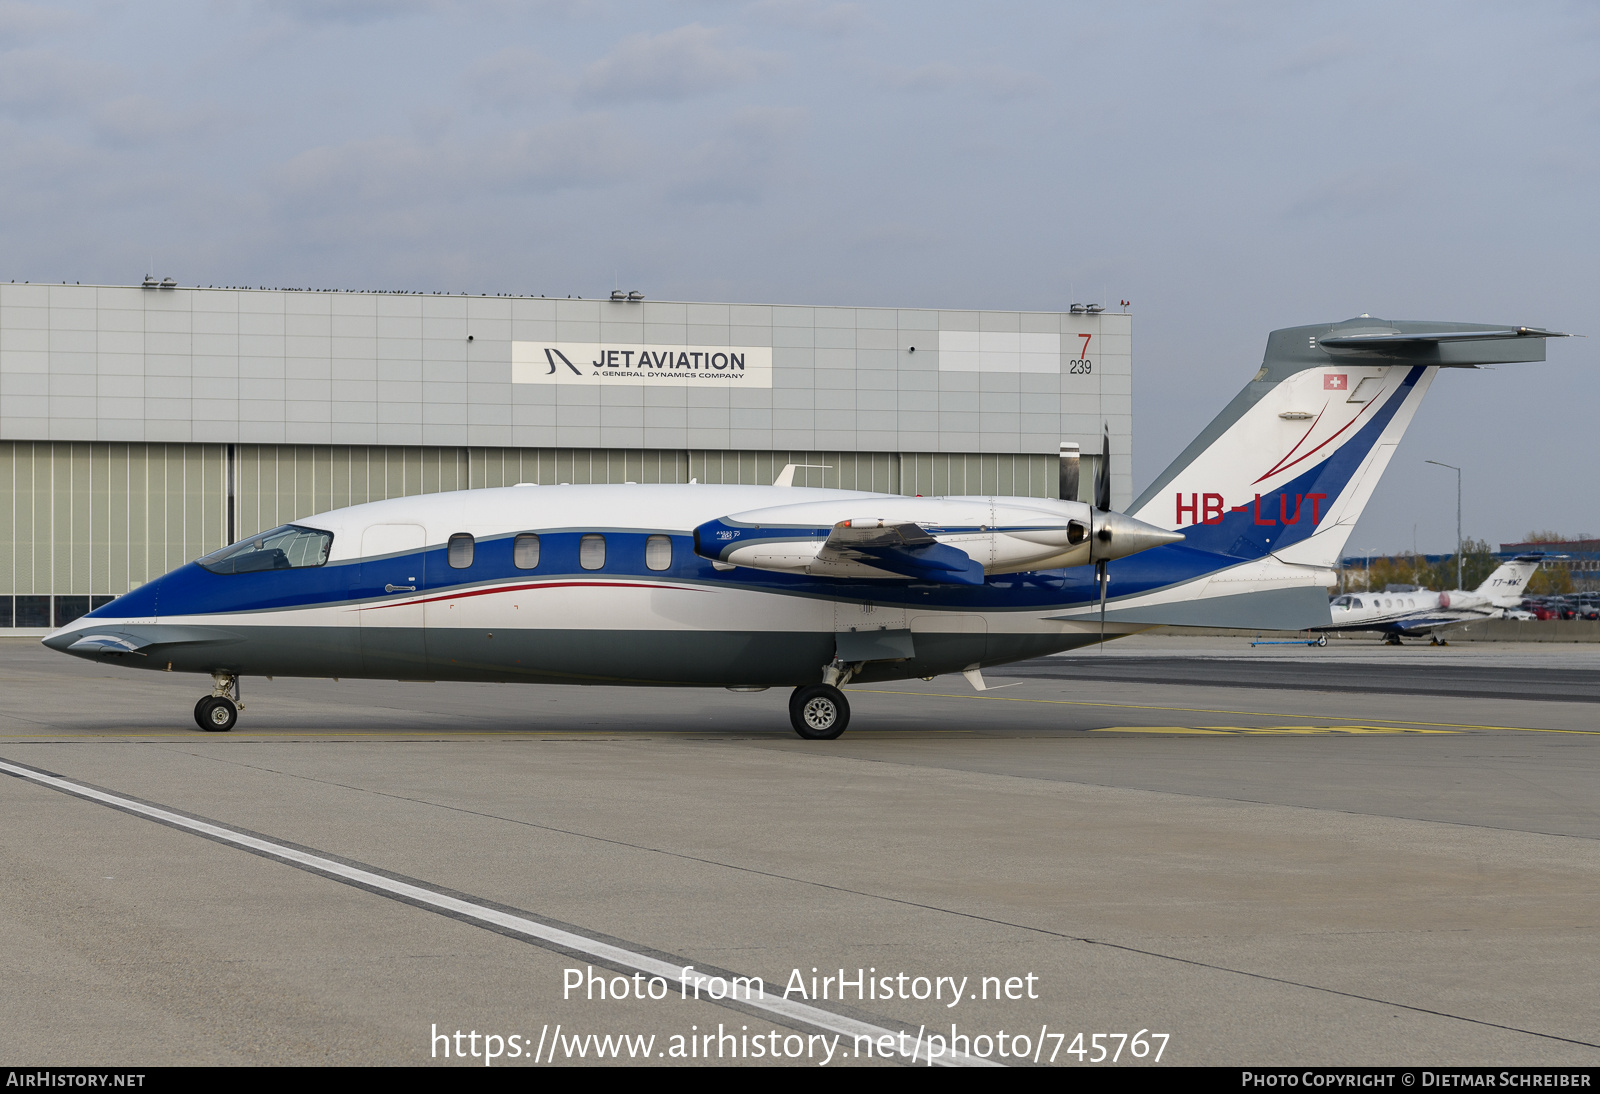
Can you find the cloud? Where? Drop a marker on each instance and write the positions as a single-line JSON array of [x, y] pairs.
[[994, 81], [1362, 193], [744, 160], [895, 237], [40, 85], [691, 60], [135, 120], [23, 22], [354, 11], [816, 16], [379, 174], [36, 83], [1320, 54], [514, 77]]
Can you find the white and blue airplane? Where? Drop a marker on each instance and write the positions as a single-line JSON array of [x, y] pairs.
[[752, 587], [1418, 613]]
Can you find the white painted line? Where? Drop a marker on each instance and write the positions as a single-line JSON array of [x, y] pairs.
[[605, 951]]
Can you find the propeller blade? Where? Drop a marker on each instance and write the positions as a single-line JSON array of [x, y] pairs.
[[1104, 579], [1102, 474], [1069, 471]]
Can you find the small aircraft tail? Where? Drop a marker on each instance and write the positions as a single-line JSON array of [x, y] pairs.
[[1504, 586], [1268, 493]]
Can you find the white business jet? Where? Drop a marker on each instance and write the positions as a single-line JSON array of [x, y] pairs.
[[751, 587], [1419, 614]]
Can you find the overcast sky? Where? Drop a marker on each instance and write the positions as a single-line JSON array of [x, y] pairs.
[[1228, 167]]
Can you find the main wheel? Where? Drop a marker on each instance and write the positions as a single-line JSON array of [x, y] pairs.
[[216, 715], [819, 712]]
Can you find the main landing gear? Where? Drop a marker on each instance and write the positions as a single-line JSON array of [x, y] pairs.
[[217, 712], [820, 712]]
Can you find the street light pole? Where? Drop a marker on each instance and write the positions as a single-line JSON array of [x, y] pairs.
[[1457, 470]]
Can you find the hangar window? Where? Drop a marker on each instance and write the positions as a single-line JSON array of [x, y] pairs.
[[525, 551], [592, 552], [462, 548], [285, 548], [658, 552]]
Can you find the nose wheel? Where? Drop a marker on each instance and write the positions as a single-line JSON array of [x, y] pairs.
[[216, 714], [819, 712]]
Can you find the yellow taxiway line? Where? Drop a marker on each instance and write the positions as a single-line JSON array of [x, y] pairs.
[[1444, 726]]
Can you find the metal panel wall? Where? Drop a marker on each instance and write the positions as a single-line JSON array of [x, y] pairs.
[[84, 363], [87, 519]]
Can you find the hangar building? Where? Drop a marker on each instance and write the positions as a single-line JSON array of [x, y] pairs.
[[144, 426]]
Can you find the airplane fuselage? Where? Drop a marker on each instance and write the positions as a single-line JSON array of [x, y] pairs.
[[586, 584], [1406, 613]]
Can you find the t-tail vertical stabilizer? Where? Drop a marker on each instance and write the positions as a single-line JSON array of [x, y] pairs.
[[1275, 484], [1504, 587]]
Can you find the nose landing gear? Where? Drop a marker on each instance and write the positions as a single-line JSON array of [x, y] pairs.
[[217, 712]]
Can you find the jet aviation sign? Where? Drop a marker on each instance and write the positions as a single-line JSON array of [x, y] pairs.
[[636, 365]]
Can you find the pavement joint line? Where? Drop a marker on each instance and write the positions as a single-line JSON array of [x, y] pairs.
[[1205, 710], [926, 907], [420, 895]]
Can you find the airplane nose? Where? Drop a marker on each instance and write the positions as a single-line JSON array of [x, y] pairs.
[[1117, 535]]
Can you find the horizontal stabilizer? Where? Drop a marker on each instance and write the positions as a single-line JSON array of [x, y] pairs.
[[1396, 338], [1283, 609], [1448, 345]]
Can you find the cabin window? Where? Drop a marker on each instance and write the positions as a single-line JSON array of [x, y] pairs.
[[592, 552], [525, 551], [285, 548], [658, 552], [1356, 603], [462, 547]]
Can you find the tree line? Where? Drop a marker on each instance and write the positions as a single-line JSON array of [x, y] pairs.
[[1477, 563]]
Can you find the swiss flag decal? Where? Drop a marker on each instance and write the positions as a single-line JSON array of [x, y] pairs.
[[1335, 381]]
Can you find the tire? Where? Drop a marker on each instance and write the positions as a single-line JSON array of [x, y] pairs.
[[819, 712], [200, 710], [217, 715], [1322, 640]]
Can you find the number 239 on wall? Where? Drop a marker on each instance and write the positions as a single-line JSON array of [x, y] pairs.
[[1082, 366]]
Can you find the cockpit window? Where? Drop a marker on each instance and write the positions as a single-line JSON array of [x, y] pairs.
[[285, 548]]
